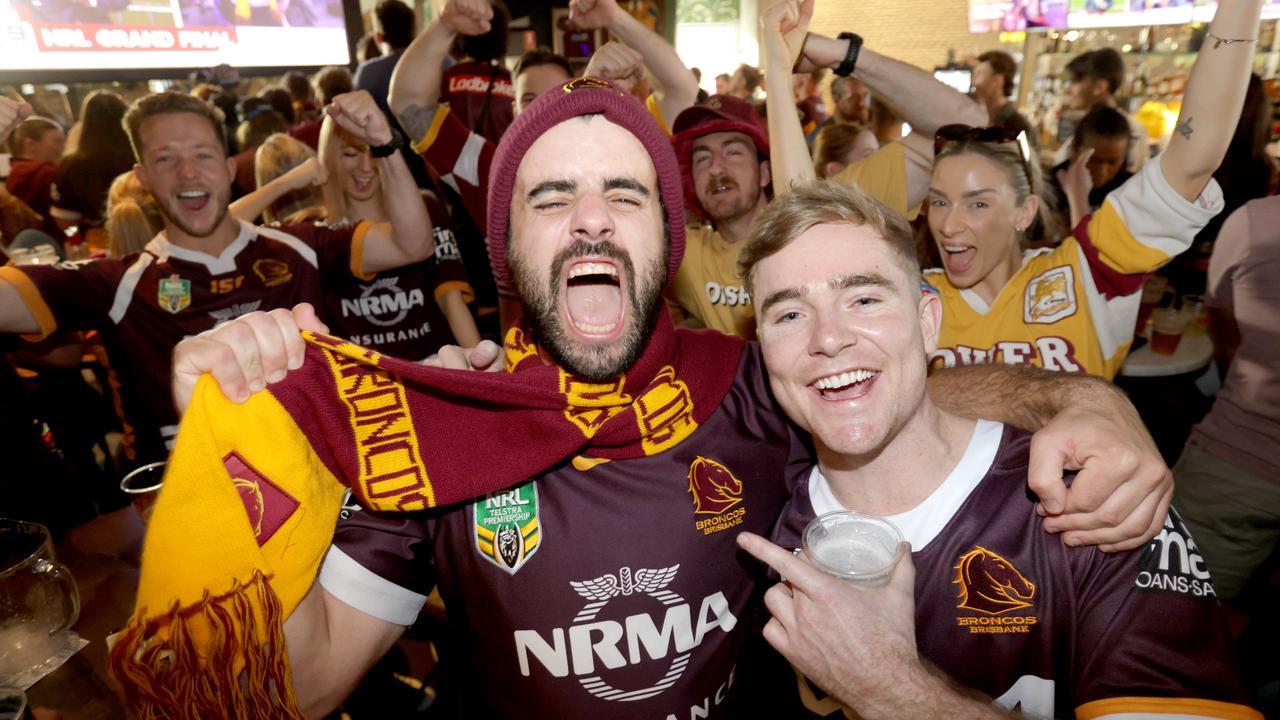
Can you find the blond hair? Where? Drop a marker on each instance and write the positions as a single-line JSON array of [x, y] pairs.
[[335, 200], [133, 217], [817, 203], [277, 155]]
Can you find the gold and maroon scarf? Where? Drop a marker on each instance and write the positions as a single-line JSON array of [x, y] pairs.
[[252, 491]]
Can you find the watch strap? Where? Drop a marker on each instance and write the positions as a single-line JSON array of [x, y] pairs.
[[850, 61]]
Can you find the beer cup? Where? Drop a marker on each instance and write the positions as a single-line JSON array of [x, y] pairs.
[[40, 602], [857, 547], [142, 485]]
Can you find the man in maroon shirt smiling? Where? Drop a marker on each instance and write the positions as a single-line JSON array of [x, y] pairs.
[[205, 267]]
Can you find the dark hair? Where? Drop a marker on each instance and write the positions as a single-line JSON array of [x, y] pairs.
[[367, 48], [1002, 64], [491, 45], [541, 56], [1100, 64], [332, 82], [166, 103], [102, 135], [33, 128], [258, 127], [750, 75], [281, 101], [298, 85], [1102, 122], [396, 23]]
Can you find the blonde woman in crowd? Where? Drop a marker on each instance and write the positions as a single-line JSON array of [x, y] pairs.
[[277, 156], [133, 217], [434, 292]]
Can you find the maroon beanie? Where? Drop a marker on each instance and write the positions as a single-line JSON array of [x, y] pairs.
[[580, 96], [720, 113]]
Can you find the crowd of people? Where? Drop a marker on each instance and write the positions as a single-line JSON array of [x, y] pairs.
[[664, 328]]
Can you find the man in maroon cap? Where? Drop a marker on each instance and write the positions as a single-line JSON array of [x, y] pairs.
[[723, 149]]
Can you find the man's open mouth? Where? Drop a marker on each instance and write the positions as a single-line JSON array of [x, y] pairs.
[[593, 298], [193, 200]]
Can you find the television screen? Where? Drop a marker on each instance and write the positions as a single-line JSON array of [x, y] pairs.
[[1120, 13], [38, 35], [1015, 15]]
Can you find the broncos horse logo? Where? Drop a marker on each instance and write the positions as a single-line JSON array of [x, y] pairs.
[[714, 488], [990, 584]]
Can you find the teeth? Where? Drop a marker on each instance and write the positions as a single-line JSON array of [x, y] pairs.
[[192, 194], [835, 382], [584, 327], [593, 269], [955, 248]]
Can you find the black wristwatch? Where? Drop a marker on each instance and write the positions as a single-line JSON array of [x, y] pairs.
[[393, 146], [845, 68]]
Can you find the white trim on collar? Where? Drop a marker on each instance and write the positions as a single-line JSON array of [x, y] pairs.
[[922, 523], [224, 263]]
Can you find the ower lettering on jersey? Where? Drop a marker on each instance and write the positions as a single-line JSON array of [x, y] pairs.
[[1054, 353], [665, 633], [728, 295]]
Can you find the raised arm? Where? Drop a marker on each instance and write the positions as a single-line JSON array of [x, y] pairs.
[[789, 160], [676, 88], [922, 101], [1214, 96], [1121, 493], [251, 206], [415, 84], [406, 239]]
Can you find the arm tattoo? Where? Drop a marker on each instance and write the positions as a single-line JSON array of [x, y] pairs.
[[416, 121], [1185, 129]]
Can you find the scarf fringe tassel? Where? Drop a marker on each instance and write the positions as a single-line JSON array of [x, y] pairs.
[[158, 676]]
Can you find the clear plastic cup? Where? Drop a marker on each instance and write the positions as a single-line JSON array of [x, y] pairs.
[[142, 485], [857, 547]]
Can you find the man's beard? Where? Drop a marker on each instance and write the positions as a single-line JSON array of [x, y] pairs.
[[172, 217], [739, 207], [591, 362]]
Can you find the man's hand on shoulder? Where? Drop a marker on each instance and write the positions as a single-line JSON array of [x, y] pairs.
[[245, 354], [1121, 494]]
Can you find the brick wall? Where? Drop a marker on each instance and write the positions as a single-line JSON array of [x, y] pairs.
[[917, 31]]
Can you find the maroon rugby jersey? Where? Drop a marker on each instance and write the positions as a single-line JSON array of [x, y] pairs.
[[606, 591], [481, 96], [397, 312], [144, 304], [1005, 608]]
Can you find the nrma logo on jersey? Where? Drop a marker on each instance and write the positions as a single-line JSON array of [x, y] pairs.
[[383, 303], [1172, 563], [658, 625]]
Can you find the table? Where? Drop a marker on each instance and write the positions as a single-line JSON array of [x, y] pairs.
[[104, 556], [1193, 353]]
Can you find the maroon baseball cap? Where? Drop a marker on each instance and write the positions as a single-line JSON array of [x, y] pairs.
[[720, 113]]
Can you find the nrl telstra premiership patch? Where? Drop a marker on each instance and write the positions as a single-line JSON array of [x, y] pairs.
[[506, 526]]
